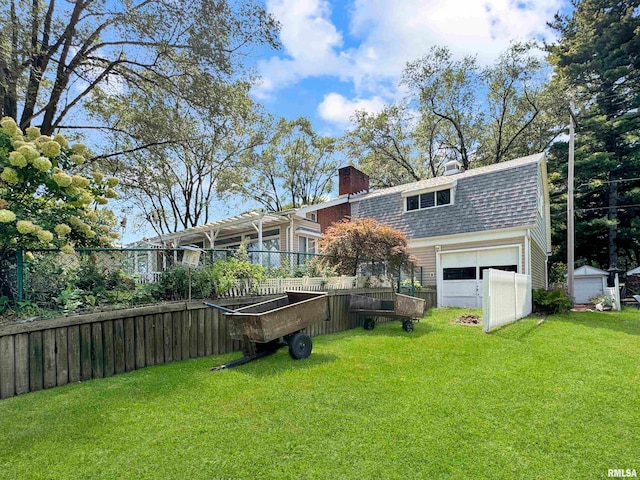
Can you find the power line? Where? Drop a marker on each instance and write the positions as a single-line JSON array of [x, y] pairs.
[[618, 207]]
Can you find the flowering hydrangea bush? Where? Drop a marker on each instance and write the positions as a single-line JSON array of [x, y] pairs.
[[42, 204]]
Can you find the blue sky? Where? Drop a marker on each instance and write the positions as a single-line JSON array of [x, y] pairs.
[[340, 56], [337, 56]]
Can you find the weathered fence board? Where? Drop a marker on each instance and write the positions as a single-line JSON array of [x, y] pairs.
[[97, 352], [35, 361], [107, 339], [158, 333], [73, 351], [201, 332], [149, 341], [7, 367], [140, 345], [118, 345], [177, 336], [49, 357], [129, 344], [167, 324], [85, 352], [21, 348], [67, 350], [62, 359], [184, 334]]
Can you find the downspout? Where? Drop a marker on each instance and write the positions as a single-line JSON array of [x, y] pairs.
[[527, 253], [290, 242]]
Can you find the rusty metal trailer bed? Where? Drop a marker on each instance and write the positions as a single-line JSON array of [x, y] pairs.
[[402, 307], [265, 327]]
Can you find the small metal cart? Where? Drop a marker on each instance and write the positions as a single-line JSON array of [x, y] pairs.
[[402, 307], [267, 326]]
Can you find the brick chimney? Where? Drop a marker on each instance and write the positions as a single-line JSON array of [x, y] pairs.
[[352, 180]]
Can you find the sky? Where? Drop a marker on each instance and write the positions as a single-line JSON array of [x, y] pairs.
[[337, 57]]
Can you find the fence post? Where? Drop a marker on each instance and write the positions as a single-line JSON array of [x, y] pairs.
[[19, 275], [413, 284]]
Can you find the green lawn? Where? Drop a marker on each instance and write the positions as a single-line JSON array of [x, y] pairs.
[[558, 400]]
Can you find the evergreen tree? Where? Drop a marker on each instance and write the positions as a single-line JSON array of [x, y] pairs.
[[597, 60]]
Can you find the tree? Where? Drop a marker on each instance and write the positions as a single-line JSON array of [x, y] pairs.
[[521, 112], [293, 166], [447, 89], [597, 58], [351, 244], [386, 147], [174, 185], [55, 55], [41, 205]]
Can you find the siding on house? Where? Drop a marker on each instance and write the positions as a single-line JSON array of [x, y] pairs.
[[538, 266], [540, 233], [426, 257], [495, 199]]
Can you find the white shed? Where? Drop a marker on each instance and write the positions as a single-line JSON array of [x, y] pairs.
[[589, 282]]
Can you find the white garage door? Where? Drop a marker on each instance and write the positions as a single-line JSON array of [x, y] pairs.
[[460, 274], [586, 288]]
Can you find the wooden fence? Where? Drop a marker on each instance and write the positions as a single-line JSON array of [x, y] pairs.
[[55, 352]]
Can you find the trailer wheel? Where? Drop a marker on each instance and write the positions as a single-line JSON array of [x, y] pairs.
[[300, 346], [369, 323], [407, 326]]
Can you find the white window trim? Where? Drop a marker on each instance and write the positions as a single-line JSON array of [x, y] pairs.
[[452, 196], [307, 240]]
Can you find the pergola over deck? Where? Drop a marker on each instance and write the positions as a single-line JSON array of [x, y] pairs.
[[259, 221]]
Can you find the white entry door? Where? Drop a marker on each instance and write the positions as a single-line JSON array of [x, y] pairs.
[[460, 273]]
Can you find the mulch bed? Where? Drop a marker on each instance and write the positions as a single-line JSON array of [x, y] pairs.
[[468, 320]]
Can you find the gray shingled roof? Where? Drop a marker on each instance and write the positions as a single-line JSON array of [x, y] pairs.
[[486, 198]]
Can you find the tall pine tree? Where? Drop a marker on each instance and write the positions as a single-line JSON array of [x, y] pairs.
[[597, 59]]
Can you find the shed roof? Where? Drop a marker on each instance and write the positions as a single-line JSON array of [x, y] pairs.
[[587, 271], [635, 271]]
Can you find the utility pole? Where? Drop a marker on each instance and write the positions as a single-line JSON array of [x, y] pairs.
[[570, 209]]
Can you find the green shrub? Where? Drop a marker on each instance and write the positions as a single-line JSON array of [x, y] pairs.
[[209, 281], [174, 283], [551, 301], [89, 277]]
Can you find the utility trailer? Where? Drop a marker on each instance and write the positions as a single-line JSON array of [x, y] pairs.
[[267, 326], [402, 307]]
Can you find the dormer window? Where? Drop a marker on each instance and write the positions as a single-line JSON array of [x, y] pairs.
[[425, 200]]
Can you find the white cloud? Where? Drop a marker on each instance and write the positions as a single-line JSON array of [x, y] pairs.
[[337, 109], [310, 41], [388, 35]]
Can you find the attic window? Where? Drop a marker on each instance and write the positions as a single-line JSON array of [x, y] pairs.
[[428, 200]]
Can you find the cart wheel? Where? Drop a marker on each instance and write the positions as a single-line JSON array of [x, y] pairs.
[[369, 323], [300, 346], [407, 326]]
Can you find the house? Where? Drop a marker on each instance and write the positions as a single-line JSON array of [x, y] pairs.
[[266, 235], [459, 224]]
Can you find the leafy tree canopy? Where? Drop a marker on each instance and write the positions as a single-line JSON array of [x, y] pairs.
[[350, 244]]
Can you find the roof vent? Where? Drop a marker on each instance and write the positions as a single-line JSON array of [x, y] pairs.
[[452, 167]]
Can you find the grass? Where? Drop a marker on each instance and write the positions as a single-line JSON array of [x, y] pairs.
[[558, 400]]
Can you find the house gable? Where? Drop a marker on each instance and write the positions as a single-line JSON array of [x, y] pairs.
[[497, 199]]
